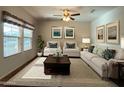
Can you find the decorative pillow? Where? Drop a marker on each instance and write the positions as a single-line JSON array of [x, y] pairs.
[[70, 45], [95, 50], [120, 54], [109, 53], [52, 45], [90, 49], [100, 51]]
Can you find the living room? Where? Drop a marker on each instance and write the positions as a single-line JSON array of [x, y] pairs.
[[22, 67]]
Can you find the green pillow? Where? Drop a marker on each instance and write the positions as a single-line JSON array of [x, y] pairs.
[[70, 45], [100, 51], [108, 54], [53, 45], [95, 50], [90, 49]]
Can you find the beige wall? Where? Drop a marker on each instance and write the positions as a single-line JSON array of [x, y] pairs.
[[10, 63], [82, 29]]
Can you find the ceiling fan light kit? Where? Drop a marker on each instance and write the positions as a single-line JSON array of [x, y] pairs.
[[67, 16]]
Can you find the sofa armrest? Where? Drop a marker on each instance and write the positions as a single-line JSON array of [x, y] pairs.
[[113, 68], [45, 47], [77, 48], [59, 48], [115, 60]]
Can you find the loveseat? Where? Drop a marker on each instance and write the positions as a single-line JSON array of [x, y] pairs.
[[105, 68]]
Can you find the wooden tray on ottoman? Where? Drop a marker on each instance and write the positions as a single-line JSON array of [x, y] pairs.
[[57, 65]]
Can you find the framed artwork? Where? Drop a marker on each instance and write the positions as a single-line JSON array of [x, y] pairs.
[[69, 32], [112, 32], [56, 32], [100, 34]]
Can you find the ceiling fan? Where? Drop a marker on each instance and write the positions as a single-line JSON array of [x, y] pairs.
[[67, 16]]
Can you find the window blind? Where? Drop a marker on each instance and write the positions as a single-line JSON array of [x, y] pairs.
[[12, 19]]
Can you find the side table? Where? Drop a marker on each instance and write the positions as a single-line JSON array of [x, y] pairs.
[[120, 80], [120, 70], [84, 49]]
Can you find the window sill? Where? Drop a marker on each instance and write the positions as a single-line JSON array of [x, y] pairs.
[[12, 55], [17, 53], [27, 49]]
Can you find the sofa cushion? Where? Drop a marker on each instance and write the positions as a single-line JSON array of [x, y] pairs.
[[90, 49], [70, 45], [99, 62], [95, 50], [108, 54], [88, 55], [100, 51], [52, 45], [119, 54], [70, 50]]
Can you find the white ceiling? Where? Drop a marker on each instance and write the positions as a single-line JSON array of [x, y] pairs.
[[48, 12]]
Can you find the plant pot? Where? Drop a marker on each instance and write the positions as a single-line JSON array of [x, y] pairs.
[[39, 54]]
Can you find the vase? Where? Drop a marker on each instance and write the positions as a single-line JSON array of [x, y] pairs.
[[39, 54]]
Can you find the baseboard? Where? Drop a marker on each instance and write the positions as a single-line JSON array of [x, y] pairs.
[[11, 74]]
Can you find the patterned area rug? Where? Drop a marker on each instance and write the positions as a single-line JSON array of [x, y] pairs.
[[80, 76]]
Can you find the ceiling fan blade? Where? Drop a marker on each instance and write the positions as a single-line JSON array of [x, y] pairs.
[[77, 14], [57, 15], [72, 18]]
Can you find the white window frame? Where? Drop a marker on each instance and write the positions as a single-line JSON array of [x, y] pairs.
[[19, 39], [28, 38]]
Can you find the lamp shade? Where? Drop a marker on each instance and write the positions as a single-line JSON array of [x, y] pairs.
[[66, 18], [85, 40], [122, 42]]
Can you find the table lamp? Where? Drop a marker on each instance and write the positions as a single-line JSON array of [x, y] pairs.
[[86, 41], [122, 42]]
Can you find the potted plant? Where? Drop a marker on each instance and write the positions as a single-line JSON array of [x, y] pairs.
[[40, 45]]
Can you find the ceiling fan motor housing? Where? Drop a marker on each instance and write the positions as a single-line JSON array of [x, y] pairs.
[[66, 12]]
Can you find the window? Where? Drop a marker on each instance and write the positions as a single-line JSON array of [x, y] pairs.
[[11, 39], [27, 39], [17, 35]]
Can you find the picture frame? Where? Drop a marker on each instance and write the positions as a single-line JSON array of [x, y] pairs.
[[69, 32], [112, 32], [56, 32], [100, 34]]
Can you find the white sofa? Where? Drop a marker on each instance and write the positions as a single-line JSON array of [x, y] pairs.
[[71, 52], [48, 50], [105, 68]]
